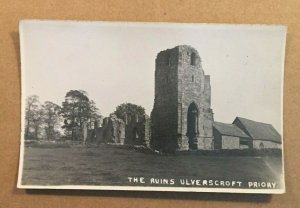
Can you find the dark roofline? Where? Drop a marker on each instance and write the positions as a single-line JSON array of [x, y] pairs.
[[238, 117], [233, 135], [245, 126], [233, 126]]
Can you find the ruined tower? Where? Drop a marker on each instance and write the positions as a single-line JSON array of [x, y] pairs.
[[182, 117]]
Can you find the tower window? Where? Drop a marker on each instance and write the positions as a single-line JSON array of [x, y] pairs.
[[193, 59], [192, 78]]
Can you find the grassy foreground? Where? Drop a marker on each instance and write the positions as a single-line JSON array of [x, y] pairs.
[[112, 165]]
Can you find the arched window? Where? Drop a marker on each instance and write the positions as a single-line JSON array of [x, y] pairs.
[[192, 125], [193, 59], [192, 78]]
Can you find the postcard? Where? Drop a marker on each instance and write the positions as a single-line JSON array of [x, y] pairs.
[[152, 106]]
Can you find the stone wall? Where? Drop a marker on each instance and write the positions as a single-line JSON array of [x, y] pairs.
[[230, 142], [135, 130], [225, 142], [261, 144], [164, 113], [99, 134], [147, 131], [132, 134], [179, 83], [112, 131], [205, 143]]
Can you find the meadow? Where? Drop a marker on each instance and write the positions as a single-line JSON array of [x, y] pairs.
[[112, 165]]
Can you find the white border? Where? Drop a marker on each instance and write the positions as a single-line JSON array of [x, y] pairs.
[[150, 188], [282, 95], [23, 79], [165, 189]]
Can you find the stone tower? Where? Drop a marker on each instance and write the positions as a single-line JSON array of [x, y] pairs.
[[182, 117]]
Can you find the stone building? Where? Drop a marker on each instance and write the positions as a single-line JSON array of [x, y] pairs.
[[137, 130], [229, 136], [261, 135], [182, 117], [111, 131]]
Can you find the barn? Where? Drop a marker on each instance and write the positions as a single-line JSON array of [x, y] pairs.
[[229, 136], [262, 135]]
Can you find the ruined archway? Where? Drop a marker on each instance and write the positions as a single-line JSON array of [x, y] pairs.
[[192, 125]]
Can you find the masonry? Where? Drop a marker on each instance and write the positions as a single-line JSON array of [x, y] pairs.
[[182, 117]]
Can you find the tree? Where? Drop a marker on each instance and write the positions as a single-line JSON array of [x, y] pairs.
[[31, 115], [94, 116], [37, 120], [77, 109], [51, 119], [126, 111]]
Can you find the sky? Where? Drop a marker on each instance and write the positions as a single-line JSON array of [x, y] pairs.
[[115, 63]]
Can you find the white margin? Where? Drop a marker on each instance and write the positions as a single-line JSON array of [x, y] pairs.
[[21, 159]]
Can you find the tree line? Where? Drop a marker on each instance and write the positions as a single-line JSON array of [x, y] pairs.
[[51, 121]]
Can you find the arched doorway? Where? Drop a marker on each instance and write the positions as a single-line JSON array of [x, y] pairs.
[[192, 125], [261, 146]]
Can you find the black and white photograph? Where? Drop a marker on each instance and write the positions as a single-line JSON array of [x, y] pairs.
[[152, 106]]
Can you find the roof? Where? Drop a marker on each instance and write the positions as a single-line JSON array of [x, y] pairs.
[[257, 130], [229, 130]]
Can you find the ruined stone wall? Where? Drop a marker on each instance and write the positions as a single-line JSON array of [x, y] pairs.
[[99, 135], [179, 82], [147, 131], [91, 136], [190, 88], [112, 131], [137, 130], [207, 111], [164, 114], [205, 143], [194, 87]]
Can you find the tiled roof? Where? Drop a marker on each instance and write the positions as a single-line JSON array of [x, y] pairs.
[[229, 130], [257, 130]]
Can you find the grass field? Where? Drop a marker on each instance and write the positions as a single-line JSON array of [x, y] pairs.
[[111, 165]]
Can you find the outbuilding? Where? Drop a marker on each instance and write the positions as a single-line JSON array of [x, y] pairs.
[[262, 135], [229, 136]]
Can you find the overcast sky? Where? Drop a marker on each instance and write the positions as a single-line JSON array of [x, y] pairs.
[[114, 63]]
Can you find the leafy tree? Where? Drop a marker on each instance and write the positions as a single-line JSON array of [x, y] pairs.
[[127, 111], [37, 120], [32, 115], [77, 109], [94, 116], [51, 119]]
